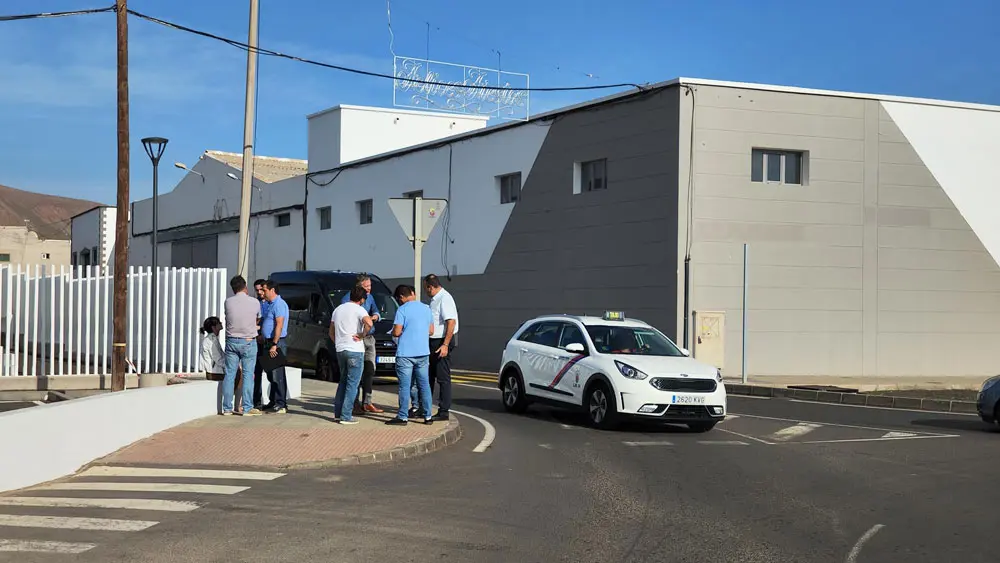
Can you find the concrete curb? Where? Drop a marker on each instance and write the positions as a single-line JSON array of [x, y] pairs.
[[855, 399], [452, 434]]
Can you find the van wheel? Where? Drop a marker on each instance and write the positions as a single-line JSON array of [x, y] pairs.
[[602, 412], [513, 393], [325, 368]]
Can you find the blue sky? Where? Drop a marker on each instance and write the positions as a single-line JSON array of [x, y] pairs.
[[57, 76]]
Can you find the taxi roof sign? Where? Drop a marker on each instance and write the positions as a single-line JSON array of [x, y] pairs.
[[614, 315]]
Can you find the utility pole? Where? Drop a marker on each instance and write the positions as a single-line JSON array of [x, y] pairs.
[[243, 266], [118, 346]]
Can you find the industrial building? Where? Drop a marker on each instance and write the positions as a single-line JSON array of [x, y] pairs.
[[872, 250]]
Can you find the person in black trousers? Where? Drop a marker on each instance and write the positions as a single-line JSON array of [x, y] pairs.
[[258, 370], [442, 342]]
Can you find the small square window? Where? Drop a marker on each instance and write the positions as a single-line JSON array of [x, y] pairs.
[[413, 195], [325, 218], [365, 209], [510, 187], [282, 219], [46, 256], [594, 175], [776, 167], [4, 257]]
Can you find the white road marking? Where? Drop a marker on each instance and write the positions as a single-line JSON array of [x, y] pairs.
[[661, 443], [569, 427], [879, 408], [478, 386], [116, 503], [729, 417], [723, 443], [747, 436], [748, 397], [112, 471], [856, 550], [31, 546], [800, 429], [925, 437], [488, 437], [146, 487], [39, 403], [545, 446], [836, 425], [74, 523], [898, 435]]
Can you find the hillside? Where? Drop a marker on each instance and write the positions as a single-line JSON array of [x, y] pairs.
[[47, 215]]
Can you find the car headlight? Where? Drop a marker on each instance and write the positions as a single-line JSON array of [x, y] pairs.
[[718, 375], [629, 371]]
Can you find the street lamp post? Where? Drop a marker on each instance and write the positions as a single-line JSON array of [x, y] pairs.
[[154, 149]]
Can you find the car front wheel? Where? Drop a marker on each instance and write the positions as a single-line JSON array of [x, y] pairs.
[[513, 393], [600, 407]]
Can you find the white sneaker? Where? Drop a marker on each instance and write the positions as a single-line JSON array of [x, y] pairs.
[[342, 421]]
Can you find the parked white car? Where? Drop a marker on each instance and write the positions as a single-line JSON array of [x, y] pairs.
[[611, 368]]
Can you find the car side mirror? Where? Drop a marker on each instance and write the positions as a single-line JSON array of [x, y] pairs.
[[576, 348], [685, 351]]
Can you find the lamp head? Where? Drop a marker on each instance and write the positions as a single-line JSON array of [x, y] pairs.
[[154, 148]]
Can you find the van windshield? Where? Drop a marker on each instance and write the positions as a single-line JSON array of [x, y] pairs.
[[629, 340]]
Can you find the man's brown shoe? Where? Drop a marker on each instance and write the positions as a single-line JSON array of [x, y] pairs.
[[373, 409]]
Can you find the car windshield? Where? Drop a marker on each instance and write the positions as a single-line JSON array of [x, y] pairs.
[[384, 301], [629, 340]]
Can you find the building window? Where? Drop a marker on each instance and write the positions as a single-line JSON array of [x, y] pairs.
[[72, 259], [4, 257], [325, 218], [85, 257], [776, 167], [510, 187], [365, 211], [592, 175], [95, 254], [413, 195], [46, 256], [282, 219]]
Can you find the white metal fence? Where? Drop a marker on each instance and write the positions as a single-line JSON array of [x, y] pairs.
[[58, 321]]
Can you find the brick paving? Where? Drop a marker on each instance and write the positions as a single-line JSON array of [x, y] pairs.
[[305, 435]]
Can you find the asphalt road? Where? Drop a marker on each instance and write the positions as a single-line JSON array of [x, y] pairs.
[[779, 481]]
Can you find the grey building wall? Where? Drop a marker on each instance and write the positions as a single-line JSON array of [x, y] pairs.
[[583, 253], [868, 269]]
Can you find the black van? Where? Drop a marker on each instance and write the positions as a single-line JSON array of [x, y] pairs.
[[312, 296]]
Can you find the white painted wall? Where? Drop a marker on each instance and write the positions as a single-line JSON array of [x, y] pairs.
[[960, 147], [346, 133], [47, 442], [95, 228], [477, 218]]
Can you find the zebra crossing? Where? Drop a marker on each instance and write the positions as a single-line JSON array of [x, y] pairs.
[[109, 500]]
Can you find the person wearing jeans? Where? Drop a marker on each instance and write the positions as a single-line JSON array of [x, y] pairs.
[[274, 328], [411, 327], [242, 312], [368, 376], [348, 326]]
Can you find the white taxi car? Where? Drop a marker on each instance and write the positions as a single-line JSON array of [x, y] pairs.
[[610, 367]]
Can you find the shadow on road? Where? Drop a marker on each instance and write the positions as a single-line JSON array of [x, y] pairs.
[[956, 424]]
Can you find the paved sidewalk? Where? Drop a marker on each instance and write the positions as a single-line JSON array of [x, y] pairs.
[[304, 437]]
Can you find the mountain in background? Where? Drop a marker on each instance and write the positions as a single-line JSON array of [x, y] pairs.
[[47, 215]]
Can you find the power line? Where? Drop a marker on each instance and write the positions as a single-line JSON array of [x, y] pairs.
[[278, 54], [55, 14]]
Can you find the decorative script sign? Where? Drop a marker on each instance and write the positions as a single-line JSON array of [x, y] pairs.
[[459, 88]]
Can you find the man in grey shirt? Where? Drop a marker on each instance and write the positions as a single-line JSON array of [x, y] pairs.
[[242, 312]]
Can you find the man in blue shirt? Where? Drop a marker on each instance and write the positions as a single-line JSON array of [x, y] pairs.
[[368, 377], [274, 329], [412, 328]]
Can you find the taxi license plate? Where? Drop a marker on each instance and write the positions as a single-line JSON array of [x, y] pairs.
[[386, 360], [687, 400]]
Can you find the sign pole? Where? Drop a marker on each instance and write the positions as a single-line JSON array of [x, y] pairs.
[[746, 285], [418, 245]]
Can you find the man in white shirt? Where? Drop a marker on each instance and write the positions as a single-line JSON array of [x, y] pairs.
[[442, 341], [348, 326]]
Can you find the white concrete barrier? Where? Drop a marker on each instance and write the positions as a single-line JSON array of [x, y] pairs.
[[46, 442], [294, 378]]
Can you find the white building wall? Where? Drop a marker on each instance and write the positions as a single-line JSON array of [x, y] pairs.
[[347, 133], [85, 231], [474, 221]]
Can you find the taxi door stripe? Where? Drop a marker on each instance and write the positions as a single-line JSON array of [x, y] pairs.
[[565, 369]]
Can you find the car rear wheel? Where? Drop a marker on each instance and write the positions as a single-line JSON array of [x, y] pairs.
[[600, 407], [996, 413], [325, 368], [702, 426], [513, 393]]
